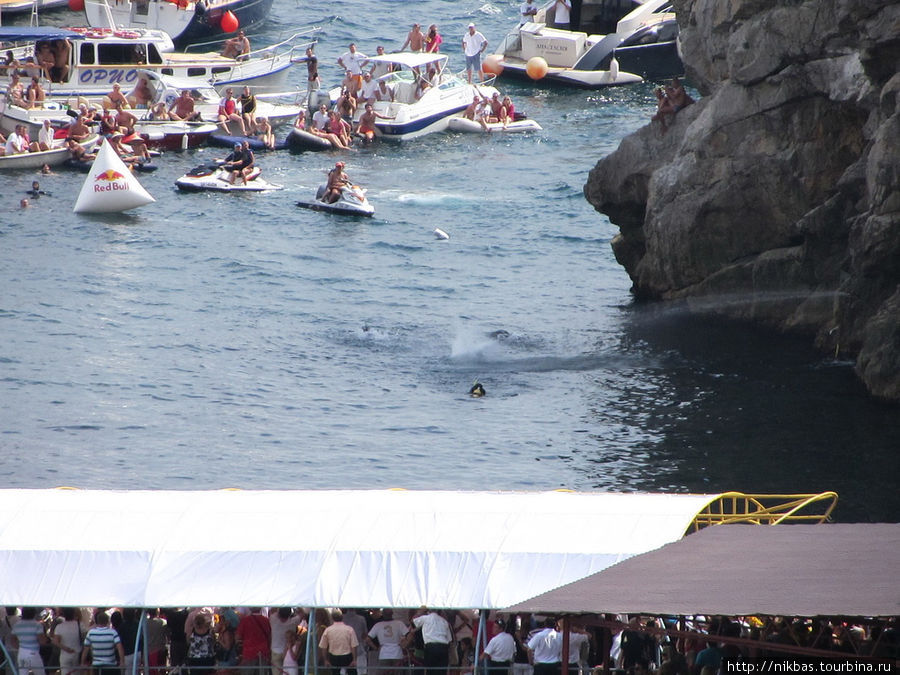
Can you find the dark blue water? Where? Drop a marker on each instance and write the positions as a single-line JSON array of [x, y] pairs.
[[216, 340]]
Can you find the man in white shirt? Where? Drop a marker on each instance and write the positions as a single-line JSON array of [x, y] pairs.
[[527, 9], [389, 632], [17, 141], [561, 16], [545, 649], [379, 68], [369, 90], [500, 651], [45, 135], [320, 117], [474, 44], [353, 61], [437, 636]]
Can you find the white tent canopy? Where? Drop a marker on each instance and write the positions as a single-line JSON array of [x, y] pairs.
[[365, 548]]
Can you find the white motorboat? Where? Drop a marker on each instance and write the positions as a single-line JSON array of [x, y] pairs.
[[352, 202], [186, 21], [219, 180], [601, 48], [98, 58], [426, 95], [56, 155], [461, 124]]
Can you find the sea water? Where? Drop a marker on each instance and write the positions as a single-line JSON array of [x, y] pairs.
[[215, 340]]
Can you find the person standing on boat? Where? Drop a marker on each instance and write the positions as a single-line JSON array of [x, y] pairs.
[[415, 39], [563, 9], [433, 40], [545, 648], [437, 636], [528, 10], [474, 44], [379, 68], [104, 645], [339, 642], [312, 70], [62, 49], [353, 61]]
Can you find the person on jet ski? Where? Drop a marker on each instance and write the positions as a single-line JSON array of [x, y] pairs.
[[337, 180]]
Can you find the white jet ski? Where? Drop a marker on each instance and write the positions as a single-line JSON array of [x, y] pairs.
[[352, 202], [215, 178]]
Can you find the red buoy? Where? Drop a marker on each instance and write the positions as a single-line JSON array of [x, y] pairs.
[[76, 5], [229, 23]]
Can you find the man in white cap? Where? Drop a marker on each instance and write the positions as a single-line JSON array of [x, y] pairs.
[[474, 44]]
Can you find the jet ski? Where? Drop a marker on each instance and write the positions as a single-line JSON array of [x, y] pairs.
[[352, 202], [206, 177]]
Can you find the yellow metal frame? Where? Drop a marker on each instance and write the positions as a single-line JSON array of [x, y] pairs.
[[757, 509]]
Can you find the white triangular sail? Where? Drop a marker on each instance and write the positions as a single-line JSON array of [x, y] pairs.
[[110, 187]]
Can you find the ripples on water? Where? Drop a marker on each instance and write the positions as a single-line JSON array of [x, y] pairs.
[[215, 340]]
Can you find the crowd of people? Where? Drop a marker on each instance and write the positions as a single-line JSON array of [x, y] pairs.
[[216, 641]]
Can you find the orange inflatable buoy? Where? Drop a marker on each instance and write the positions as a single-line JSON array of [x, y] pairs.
[[229, 23], [536, 67], [493, 64]]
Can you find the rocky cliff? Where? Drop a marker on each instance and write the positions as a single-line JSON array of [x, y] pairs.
[[776, 196]]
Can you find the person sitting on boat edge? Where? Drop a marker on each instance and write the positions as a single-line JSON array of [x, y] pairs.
[[507, 111], [237, 47], [116, 97], [35, 94], [182, 110], [265, 133], [18, 143], [346, 105], [46, 135], [78, 130], [248, 109], [15, 92], [10, 63], [159, 113], [339, 127], [77, 151], [369, 90], [319, 127], [366, 128], [228, 113], [337, 180], [142, 96]]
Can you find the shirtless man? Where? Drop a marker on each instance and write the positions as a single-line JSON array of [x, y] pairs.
[[35, 94], [116, 97], [78, 130], [366, 128], [125, 120], [237, 46], [337, 179], [182, 109], [141, 96], [45, 58], [79, 154], [415, 39]]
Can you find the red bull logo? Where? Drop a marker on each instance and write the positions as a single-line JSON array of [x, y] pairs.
[[111, 178]]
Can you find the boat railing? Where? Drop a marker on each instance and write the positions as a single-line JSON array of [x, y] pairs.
[[486, 82], [286, 43]]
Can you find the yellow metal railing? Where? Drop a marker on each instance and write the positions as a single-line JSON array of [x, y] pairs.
[[757, 509]]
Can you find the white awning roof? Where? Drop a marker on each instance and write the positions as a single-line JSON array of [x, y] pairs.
[[364, 548], [408, 59]]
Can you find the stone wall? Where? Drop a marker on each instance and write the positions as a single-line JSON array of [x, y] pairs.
[[776, 197]]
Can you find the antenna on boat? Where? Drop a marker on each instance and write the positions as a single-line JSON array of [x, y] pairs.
[[34, 15], [109, 16]]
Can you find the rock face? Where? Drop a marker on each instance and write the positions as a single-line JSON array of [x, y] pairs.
[[776, 197]]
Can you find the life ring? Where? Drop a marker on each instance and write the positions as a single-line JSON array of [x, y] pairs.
[[127, 34], [96, 34]]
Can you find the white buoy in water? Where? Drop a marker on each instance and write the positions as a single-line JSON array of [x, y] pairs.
[[440, 234], [110, 187], [184, 142]]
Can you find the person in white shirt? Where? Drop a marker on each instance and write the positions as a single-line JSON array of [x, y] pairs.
[[500, 651], [45, 135], [545, 648], [474, 44], [527, 9], [562, 13], [368, 93], [353, 61], [320, 117], [390, 633], [379, 68], [437, 636]]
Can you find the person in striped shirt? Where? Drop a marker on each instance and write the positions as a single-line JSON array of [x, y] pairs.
[[103, 644], [29, 635]]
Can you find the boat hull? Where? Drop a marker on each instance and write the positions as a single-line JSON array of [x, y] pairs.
[[570, 77], [463, 125], [35, 160], [300, 140]]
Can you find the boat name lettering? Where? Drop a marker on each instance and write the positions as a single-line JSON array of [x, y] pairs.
[[552, 46], [111, 187], [107, 76]]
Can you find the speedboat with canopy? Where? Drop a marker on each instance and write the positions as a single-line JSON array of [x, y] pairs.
[[425, 95]]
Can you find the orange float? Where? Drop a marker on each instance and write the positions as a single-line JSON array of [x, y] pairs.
[[536, 67], [229, 23], [493, 64]]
